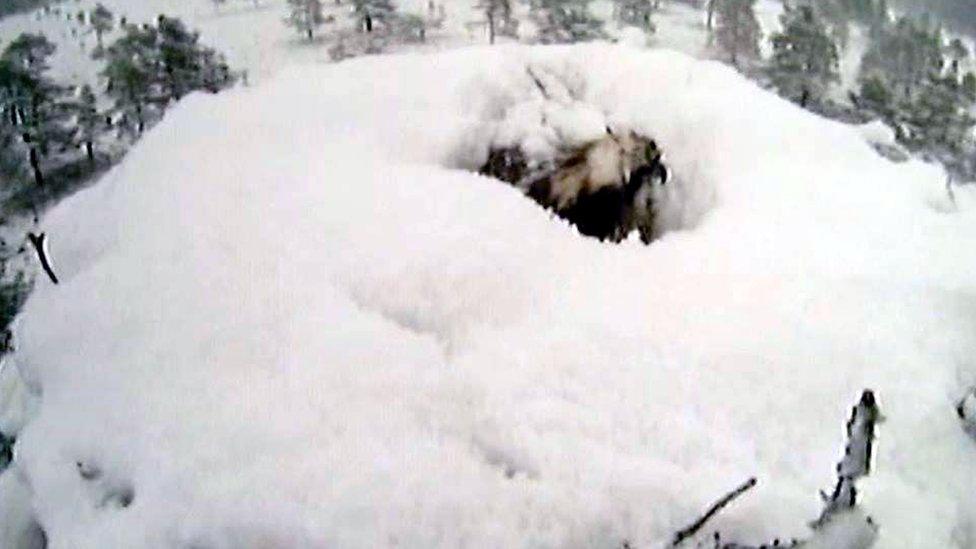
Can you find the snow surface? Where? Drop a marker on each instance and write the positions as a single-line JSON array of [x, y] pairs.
[[293, 317]]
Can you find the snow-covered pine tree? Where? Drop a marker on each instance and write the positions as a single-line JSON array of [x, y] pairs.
[[131, 68], [862, 11], [41, 105], [150, 67], [214, 73], [737, 29], [179, 56], [875, 96], [938, 120], [636, 13], [903, 54], [101, 21], [968, 84], [498, 16], [370, 13], [13, 154], [413, 28], [833, 14], [805, 59], [89, 121], [305, 16], [906, 80], [957, 53], [565, 22]]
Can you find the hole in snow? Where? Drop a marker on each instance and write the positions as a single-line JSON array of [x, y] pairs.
[[607, 188]]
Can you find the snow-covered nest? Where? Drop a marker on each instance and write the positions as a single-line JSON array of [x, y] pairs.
[[294, 317]]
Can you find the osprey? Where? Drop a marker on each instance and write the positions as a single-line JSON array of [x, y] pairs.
[[605, 188]]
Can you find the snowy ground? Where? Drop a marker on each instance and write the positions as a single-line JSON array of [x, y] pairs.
[[293, 318]]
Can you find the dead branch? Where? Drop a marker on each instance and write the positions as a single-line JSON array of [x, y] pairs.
[[538, 83], [856, 462], [694, 527], [40, 246]]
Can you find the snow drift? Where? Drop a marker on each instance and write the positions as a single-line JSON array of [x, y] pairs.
[[293, 317]]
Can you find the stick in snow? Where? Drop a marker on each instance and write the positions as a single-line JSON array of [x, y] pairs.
[[694, 527], [538, 83], [40, 246]]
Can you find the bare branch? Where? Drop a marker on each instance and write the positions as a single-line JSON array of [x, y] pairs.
[[40, 246], [694, 527]]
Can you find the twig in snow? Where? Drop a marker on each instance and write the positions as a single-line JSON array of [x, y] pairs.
[[694, 527], [538, 83], [840, 511], [40, 246]]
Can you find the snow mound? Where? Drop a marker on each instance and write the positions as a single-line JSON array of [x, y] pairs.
[[293, 317]]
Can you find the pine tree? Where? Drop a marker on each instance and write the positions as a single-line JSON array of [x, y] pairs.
[[102, 22], [635, 13], [305, 16], [875, 96], [957, 52], [737, 30], [566, 21], [413, 27], [938, 120], [904, 55], [179, 55], [40, 109], [131, 70], [89, 121], [498, 15], [805, 60], [370, 13], [969, 86], [13, 154], [150, 67], [905, 78], [214, 73]]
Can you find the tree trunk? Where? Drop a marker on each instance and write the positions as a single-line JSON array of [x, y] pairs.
[[140, 123], [36, 167], [711, 13], [310, 33], [90, 152], [491, 27]]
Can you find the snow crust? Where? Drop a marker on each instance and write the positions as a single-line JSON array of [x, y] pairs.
[[293, 317]]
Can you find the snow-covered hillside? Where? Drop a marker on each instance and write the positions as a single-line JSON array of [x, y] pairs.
[[256, 39], [294, 317]]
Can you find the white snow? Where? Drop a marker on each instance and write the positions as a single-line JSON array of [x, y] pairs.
[[293, 318]]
